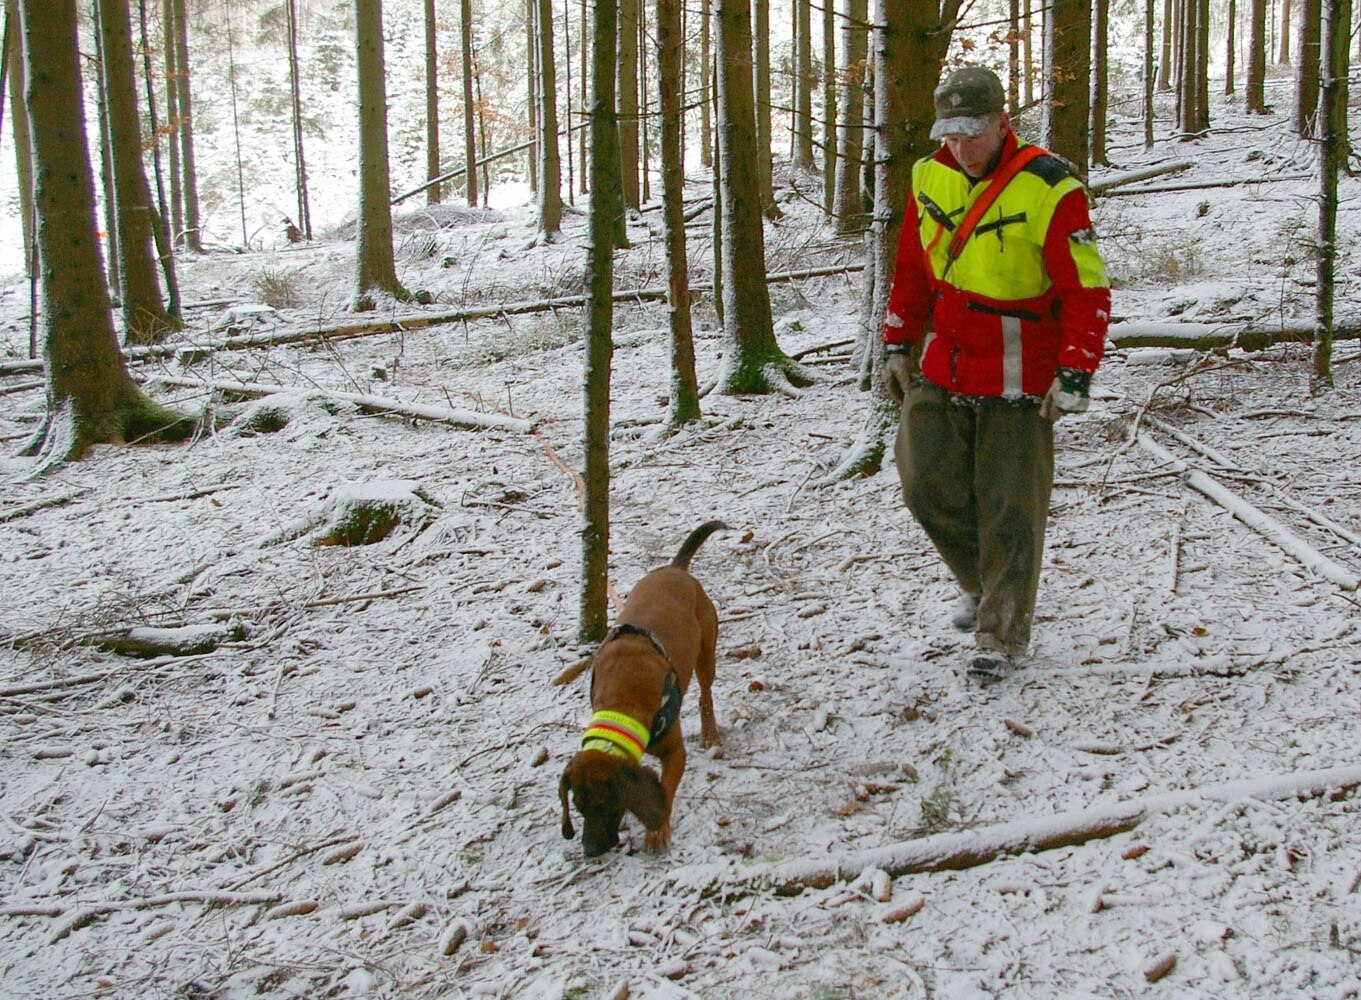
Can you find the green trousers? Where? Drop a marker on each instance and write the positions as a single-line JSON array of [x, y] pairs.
[[978, 480]]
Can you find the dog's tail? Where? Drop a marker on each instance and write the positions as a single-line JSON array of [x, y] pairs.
[[696, 539]]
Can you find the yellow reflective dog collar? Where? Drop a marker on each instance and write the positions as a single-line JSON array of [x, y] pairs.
[[618, 729]]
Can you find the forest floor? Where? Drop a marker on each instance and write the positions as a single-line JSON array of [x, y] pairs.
[[356, 794]]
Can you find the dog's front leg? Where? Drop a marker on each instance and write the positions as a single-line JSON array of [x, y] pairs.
[[671, 753]]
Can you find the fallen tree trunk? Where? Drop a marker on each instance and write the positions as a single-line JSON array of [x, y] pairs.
[[1101, 187], [417, 321], [1205, 185], [1266, 526], [954, 851], [370, 404], [1222, 336]]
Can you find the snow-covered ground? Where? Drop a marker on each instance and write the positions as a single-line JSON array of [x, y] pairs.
[[357, 794]]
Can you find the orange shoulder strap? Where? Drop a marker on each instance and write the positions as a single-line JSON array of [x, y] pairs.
[[976, 211]]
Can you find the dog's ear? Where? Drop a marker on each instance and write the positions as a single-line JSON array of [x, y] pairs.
[[644, 797], [563, 786]]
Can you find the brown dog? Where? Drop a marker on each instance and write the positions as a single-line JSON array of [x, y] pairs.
[[666, 632]]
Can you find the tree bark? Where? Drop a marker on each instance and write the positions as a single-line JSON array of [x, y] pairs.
[[1307, 87], [1332, 126], [550, 166], [432, 163], [145, 317], [1230, 46], [1067, 51], [1148, 74], [299, 159], [1099, 82], [1165, 59], [1254, 89], [376, 269], [598, 322], [829, 105], [760, 57], [469, 109], [172, 121], [193, 233], [19, 128], [909, 42], [1283, 55], [706, 132], [753, 361], [803, 85], [848, 209], [90, 396], [684, 400], [627, 99]]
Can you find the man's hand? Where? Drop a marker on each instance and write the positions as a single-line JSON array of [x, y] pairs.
[[1069, 393], [896, 374]]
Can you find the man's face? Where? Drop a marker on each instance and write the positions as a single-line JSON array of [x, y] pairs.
[[976, 153]]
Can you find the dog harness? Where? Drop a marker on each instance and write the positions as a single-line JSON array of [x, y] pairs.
[[621, 735]]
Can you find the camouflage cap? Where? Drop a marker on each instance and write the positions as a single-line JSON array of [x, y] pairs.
[[964, 101]]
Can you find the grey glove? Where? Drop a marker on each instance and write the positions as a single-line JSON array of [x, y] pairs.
[[896, 374], [1069, 393]]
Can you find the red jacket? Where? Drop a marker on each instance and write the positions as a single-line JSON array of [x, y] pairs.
[[1027, 294]]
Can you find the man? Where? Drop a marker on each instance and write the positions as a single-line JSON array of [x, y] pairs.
[[1009, 310]]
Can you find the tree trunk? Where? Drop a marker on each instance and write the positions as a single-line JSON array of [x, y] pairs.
[[90, 396], [1067, 57], [193, 233], [910, 41], [145, 318], [1014, 56], [765, 167], [1148, 73], [1254, 90], [532, 97], [1203, 66], [1165, 60], [432, 164], [160, 229], [1283, 57], [706, 129], [585, 133], [19, 126], [1230, 46], [1099, 82], [753, 361], [172, 122], [469, 108], [598, 334], [1332, 126], [550, 167], [803, 86], [1307, 85], [684, 399], [848, 209], [1027, 54], [299, 160], [829, 80], [376, 270], [627, 100], [644, 138]]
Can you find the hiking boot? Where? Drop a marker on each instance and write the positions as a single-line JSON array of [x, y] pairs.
[[990, 666], [964, 612]]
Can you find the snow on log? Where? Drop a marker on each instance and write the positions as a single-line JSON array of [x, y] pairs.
[[145, 642], [372, 404], [1100, 187], [970, 848], [1221, 336], [1263, 524]]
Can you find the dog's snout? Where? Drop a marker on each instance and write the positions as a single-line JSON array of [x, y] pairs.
[[595, 846]]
